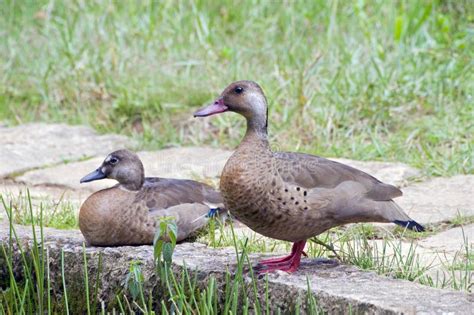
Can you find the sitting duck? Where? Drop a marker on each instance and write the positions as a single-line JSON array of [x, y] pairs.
[[293, 196], [127, 213]]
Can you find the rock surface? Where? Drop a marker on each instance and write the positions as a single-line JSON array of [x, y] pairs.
[[35, 145], [339, 289], [451, 241], [439, 199]]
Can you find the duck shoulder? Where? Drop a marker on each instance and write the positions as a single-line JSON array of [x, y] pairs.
[[162, 193], [312, 171]]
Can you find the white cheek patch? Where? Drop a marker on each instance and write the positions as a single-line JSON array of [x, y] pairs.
[[258, 103], [103, 169]]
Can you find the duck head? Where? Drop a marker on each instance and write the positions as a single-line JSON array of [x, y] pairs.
[[122, 165], [243, 97]]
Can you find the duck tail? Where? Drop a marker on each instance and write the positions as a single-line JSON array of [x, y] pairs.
[[402, 219], [391, 212], [411, 224]]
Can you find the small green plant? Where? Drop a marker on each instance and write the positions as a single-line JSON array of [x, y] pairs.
[[134, 283], [164, 241]]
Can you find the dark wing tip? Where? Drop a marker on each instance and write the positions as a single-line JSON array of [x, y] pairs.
[[412, 225]]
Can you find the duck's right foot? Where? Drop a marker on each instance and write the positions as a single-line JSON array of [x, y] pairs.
[[213, 212]]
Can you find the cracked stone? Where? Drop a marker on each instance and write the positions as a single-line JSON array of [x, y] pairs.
[[37, 145], [439, 199]]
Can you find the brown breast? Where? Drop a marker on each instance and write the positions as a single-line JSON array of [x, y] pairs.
[[255, 193], [111, 217]]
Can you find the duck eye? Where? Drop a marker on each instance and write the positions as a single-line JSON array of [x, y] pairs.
[[238, 89], [113, 160]]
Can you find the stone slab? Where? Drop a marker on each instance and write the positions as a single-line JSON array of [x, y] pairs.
[[451, 241], [339, 289], [439, 199], [187, 162], [37, 145], [11, 189], [400, 250]]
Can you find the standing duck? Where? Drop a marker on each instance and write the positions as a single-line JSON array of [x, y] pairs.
[[293, 196], [127, 213]]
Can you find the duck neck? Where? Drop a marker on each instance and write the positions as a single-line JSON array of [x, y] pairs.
[[132, 179], [133, 185], [256, 131]]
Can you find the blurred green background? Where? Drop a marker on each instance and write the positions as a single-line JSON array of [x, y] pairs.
[[370, 80]]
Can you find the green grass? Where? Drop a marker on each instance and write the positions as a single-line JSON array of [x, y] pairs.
[[59, 214], [383, 80], [29, 287]]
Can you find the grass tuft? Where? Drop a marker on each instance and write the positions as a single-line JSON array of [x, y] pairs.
[[61, 214]]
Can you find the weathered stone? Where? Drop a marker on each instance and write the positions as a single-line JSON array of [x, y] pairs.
[[434, 256], [9, 188], [67, 176], [451, 241], [339, 289], [399, 251], [36, 145], [439, 199], [449, 251], [188, 162], [397, 174]]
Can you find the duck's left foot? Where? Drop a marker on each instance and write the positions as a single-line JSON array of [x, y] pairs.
[[289, 266], [275, 261], [288, 263]]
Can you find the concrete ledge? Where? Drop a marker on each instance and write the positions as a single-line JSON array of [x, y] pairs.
[[338, 289]]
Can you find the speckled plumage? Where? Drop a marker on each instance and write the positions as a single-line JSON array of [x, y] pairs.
[[126, 214], [293, 196]]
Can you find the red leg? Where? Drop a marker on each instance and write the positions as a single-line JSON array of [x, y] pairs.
[[289, 263], [280, 259]]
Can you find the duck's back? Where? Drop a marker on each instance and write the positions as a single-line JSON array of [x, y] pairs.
[[162, 193], [312, 171]]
